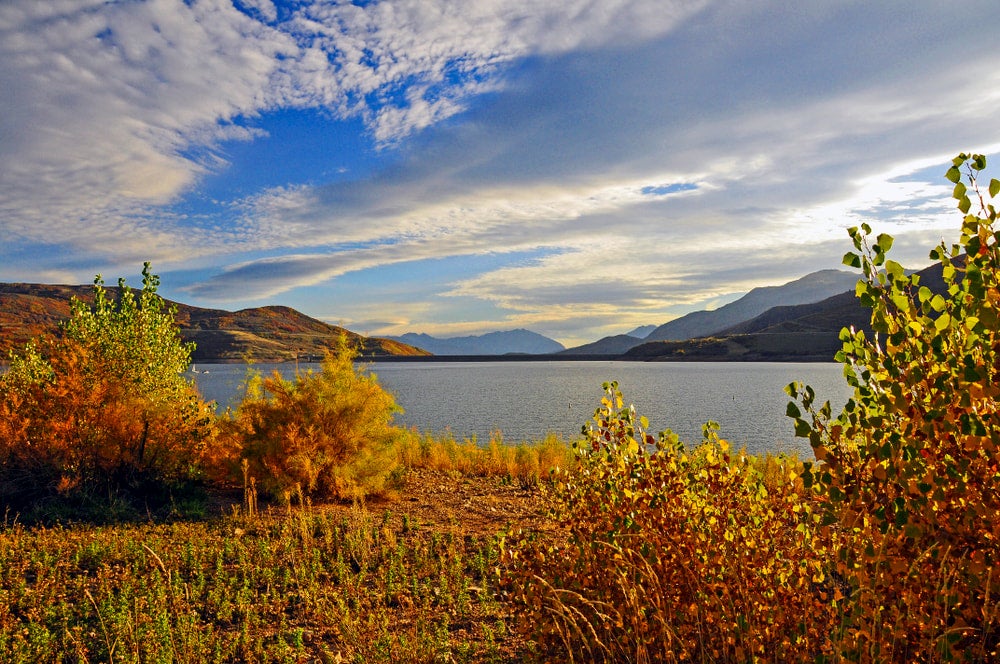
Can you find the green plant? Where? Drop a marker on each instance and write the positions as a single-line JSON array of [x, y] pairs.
[[329, 433], [237, 590], [136, 337], [907, 473]]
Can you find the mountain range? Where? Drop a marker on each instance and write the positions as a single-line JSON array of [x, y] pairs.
[[802, 332], [811, 288], [800, 320], [518, 341]]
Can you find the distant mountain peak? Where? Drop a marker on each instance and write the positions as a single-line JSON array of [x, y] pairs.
[[520, 341], [641, 332]]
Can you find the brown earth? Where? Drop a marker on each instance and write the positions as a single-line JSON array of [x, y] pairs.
[[445, 501]]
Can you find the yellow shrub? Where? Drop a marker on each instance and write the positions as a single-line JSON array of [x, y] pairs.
[[328, 433], [673, 555]]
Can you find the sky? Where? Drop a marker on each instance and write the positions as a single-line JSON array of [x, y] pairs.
[[574, 167]]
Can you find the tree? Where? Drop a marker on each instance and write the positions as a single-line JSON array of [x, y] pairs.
[[103, 407], [907, 473]]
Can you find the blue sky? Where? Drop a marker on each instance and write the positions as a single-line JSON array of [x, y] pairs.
[[454, 167]]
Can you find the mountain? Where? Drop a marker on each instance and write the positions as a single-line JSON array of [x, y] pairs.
[[615, 345], [641, 332], [262, 333], [518, 341], [803, 332], [797, 333], [810, 288]]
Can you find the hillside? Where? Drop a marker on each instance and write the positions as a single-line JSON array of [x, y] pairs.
[[615, 345], [789, 347], [262, 334]]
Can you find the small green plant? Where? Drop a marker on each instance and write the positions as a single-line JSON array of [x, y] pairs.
[[238, 590]]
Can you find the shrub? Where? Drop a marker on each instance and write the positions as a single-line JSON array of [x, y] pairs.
[[907, 473], [673, 555], [102, 409], [326, 433]]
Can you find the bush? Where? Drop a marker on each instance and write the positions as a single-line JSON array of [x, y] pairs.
[[673, 555], [885, 549], [327, 434], [103, 409], [907, 474]]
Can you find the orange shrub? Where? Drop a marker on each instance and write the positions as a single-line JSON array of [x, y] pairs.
[[103, 410], [82, 431], [328, 433]]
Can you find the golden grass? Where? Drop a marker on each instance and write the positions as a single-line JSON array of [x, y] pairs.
[[527, 462]]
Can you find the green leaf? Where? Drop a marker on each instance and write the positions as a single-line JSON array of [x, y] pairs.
[[964, 204], [792, 410], [807, 476], [953, 174], [994, 187], [958, 193], [851, 259], [884, 241], [894, 269]]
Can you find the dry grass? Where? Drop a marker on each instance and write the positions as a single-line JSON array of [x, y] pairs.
[[527, 462]]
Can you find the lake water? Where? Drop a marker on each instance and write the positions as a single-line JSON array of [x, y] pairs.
[[527, 400]]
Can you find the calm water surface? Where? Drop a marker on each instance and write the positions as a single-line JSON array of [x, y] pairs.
[[527, 400]]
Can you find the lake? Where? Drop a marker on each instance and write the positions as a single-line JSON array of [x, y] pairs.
[[527, 400]]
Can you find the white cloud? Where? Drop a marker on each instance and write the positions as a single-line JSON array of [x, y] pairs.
[[105, 105], [102, 100], [439, 52]]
